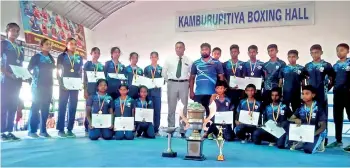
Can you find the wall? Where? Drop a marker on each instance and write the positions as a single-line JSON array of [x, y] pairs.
[[10, 12], [150, 26]]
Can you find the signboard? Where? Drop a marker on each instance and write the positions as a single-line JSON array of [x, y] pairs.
[[39, 23], [287, 14]]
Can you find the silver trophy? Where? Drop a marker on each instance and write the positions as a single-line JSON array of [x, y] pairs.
[[169, 152]]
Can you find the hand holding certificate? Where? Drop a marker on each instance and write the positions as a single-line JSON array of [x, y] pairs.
[[101, 120], [240, 83], [21, 72], [157, 83], [303, 133], [141, 80], [94, 76], [72, 83], [144, 115], [224, 117], [256, 81], [117, 76], [273, 129], [246, 118], [124, 124]]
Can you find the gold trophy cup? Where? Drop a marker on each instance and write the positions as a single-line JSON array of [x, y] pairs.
[[220, 142]]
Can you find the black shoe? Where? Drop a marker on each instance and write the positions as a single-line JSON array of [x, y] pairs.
[[183, 135], [4, 137], [12, 137]]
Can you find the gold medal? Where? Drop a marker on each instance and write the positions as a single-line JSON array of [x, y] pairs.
[[99, 103], [72, 70], [251, 110]]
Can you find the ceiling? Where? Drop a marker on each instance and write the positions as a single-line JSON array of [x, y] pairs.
[[87, 13]]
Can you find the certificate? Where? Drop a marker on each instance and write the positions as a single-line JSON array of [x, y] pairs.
[[101, 120], [143, 114], [224, 117], [94, 77], [117, 76], [156, 83], [238, 82], [256, 81], [273, 129], [141, 80], [124, 124], [21, 72], [304, 133], [72, 83], [245, 118]]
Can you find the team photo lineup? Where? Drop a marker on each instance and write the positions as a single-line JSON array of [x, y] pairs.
[[283, 104]]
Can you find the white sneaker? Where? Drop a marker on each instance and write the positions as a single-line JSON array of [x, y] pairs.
[[296, 146], [321, 148], [272, 144], [243, 141]]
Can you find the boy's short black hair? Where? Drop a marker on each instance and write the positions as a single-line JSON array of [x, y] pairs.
[[206, 45], [234, 46], [253, 47], [272, 46], [250, 86], [154, 52], [217, 49], [293, 52], [180, 42], [344, 45], [221, 83], [11, 25], [276, 89], [310, 88], [123, 85], [316, 47]]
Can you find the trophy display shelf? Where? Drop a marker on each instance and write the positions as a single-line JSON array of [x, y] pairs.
[[169, 152], [195, 115]]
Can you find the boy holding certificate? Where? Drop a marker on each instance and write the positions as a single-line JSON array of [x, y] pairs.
[[146, 129], [11, 54], [155, 71], [90, 86], [276, 113], [124, 106], [97, 105], [310, 113], [114, 72], [291, 79], [247, 122], [131, 73], [223, 104]]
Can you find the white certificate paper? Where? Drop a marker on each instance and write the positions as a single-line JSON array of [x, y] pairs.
[[141, 80], [94, 77], [245, 118], [101, 120], [117, 76], [142, 114], [304, 133], [124, 124], [224, 117], [239, 82], [273, 129], [72, 83], [156, 83], [21, 72], [256, 81]]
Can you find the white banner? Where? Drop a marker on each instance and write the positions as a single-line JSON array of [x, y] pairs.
[[272, 15]]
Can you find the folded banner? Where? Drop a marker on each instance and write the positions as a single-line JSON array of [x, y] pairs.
[[272, 15], [39, 23]]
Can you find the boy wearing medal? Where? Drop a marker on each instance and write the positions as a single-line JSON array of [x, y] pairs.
[[100, 103], [250, 105], [291, 78], [11, 54], [131, 73], [253, 67], [145, 129], [311, 113], [155, 71], [277, 112], [70, 65], [116, 67], [124, 106]]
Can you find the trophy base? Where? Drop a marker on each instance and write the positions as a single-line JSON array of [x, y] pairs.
[[169, 154], [221, 158], [196, 158]]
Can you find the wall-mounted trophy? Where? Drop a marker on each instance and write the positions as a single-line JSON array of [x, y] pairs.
[[169, 152]]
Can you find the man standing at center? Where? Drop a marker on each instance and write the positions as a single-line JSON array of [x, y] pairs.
[[176, 71], [205, 72]]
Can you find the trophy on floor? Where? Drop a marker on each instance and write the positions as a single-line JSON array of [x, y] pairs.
[[220, 141], [195, 113], [169, 152]]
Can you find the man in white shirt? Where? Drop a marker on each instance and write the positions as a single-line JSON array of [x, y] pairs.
[[176, 71]]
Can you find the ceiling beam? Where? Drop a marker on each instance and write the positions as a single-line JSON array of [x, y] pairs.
[[92, 8]]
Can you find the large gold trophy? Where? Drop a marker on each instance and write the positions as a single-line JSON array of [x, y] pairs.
[[220, 141], [194, 120]]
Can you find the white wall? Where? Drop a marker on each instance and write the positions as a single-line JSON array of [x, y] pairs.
[[147, 26], [10, 12]]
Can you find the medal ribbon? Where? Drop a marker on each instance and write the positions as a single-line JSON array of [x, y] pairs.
[[18, 52], [308, 118], [116, 67], [153, 72], [135, 73], [251, 68], [99, 102], [122, 106], [250, 112], [234, 70], [95, 68], [278, 112], [71, 61], [142, 104]]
